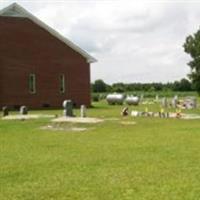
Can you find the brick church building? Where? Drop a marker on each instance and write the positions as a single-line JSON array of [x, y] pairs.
[[38, 66]]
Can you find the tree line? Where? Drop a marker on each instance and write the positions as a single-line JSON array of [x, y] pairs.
[[99, 86]]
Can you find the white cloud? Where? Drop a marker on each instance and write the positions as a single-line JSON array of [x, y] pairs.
[[132, 41]]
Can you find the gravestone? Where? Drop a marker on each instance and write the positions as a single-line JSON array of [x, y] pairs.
[[195, 102], [83, 111], [23, 110], [141, 97], [157, 98], [164, 102], [175, 101], [5, 111], [68, 108]]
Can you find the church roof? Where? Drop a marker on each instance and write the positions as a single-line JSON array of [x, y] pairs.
[[15, 10]]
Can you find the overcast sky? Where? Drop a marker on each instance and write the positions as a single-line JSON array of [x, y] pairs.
[[133, 42]]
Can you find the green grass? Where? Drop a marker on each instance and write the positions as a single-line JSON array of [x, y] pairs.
[[155, 159]]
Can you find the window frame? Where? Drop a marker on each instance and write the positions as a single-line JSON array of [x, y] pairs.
[[62, 84], [32, 83]]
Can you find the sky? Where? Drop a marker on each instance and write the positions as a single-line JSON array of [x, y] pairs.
[[133, 41]]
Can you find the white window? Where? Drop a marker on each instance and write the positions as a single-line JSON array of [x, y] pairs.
[[32, 83], [62, 83]]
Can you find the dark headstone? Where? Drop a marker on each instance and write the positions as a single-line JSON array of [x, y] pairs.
[[23, 110], [5, 111], [68, 108]]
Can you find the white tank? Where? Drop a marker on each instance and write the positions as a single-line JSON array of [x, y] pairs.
[[132, 100], [115, 98]]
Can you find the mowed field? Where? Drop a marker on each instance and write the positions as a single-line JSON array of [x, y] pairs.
[[153, 159]]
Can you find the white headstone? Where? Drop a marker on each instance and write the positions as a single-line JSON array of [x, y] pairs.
[[83, 111]]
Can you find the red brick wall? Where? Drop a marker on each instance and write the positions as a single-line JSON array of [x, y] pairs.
[[27, 48]]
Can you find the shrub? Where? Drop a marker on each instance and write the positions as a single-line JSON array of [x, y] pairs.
[[95, 97]]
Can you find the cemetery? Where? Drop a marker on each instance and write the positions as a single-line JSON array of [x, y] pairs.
[[124, 141], [168, 108], [98, 150]]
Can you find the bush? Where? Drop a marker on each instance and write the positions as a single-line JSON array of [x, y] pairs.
[[95, 97], [102, 96]]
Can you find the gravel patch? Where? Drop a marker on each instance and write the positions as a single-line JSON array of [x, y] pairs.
[[25, 117], [190, 116], [77, 120]]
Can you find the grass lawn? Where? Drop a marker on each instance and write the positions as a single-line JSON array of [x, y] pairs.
[[155, 159]]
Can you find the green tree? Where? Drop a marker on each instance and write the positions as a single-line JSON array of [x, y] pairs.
[[192, 47], [99, 86], [185, 85], [118, 87]]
